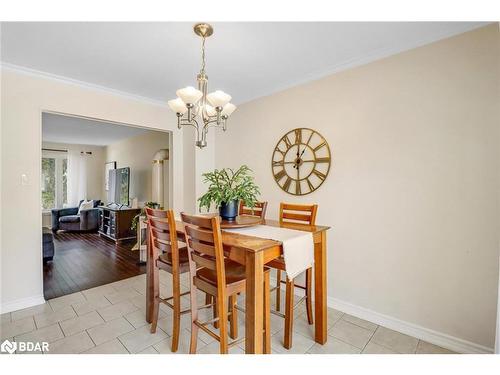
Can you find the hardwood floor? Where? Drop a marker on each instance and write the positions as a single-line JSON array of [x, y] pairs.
[[85, 260]]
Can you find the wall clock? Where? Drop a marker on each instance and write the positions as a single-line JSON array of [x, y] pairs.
[[301, 161]]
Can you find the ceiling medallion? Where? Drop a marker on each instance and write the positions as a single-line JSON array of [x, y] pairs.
[[194, 107]]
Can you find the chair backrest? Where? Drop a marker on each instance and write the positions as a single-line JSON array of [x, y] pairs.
[[204, 241], [298, 213], [162, 235], [259, 209]]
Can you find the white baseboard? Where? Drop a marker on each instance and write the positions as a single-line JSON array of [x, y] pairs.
[[22, 303], [437, 338]]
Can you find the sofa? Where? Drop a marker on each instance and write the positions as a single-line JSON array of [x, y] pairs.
[[73, 220], [47, 245]]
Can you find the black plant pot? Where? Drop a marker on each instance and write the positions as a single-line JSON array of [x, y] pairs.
[[229, 211]]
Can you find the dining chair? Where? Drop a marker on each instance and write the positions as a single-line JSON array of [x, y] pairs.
[[164, 252], [258, 210], [297, 214], [223, 279]]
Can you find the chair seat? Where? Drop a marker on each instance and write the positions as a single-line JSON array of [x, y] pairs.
[[277, 263], [234, 273], [166, 259], [70, 219]]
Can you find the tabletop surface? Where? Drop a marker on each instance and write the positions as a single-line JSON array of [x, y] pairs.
[[241, 221], [251, 243]]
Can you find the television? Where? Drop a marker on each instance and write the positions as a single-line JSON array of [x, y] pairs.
[[119, 184]]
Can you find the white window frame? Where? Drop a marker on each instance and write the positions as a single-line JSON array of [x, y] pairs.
[[59, 156]]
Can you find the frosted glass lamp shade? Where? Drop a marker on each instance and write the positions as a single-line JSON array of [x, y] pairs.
[[218, 98], [189, 95], [210, 110], [177, 105], [228, 109]]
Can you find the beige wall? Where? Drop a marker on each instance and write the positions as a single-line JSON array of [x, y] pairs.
[[412, 196], [137, 153], [23, 98], [196, 163]]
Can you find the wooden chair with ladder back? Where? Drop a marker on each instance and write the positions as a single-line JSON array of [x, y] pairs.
[[258, 210], [165, 254], [296, 214], [223, 279]]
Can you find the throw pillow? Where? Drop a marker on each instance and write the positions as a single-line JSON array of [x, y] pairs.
[[86, 205]]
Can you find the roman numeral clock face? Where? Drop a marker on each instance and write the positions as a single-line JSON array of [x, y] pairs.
[[301, 161]]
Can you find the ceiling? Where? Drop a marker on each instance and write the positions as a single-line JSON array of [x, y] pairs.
[[77, 130], [247, 60]]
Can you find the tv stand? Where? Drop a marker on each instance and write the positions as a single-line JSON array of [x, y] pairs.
[[117, 206], [115, 223]]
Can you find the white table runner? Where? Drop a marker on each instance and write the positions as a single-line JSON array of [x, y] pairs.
[[298, 246]]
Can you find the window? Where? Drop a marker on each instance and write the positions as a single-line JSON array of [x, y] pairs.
[[48, 183], [65, 181], [54, 179]]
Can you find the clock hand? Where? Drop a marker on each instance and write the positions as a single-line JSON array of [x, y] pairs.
[[298, 157]]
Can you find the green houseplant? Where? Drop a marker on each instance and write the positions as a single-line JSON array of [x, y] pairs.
[[226, 188], [135, 220]]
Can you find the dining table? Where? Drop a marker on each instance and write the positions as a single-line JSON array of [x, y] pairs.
[[254, 253]]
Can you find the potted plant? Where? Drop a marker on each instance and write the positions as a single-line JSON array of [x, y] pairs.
[[226, 188], [135, 220]]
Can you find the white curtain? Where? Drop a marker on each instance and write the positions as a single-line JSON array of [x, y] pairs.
[[77, 177]]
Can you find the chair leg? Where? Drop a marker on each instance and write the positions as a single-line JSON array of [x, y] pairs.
[[267, 313], [177, 313], [156, 299], [209, 300], [194, 317], [289, 313], [233, 319], [194, 338], [310, 319], [215, 313], [278, 290], [222, 310]]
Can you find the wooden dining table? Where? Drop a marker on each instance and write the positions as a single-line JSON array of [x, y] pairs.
[[254, 253]]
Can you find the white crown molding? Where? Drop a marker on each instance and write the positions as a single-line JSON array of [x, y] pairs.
[[434, 337], [82, 84], [20, 304], [376, 55]]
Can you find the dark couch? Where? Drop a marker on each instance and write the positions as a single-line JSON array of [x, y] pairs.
[[68, 218], [47, 244]]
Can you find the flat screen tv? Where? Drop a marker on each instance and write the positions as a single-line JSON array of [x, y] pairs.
[[119, 183]]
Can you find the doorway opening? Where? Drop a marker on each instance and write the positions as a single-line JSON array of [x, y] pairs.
[[97, 175]]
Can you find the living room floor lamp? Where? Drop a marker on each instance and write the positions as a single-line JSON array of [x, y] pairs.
[[158, 177]]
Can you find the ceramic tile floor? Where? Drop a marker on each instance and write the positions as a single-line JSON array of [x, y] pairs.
[[110, 319]]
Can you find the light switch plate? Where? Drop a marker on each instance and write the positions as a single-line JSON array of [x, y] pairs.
[[24, 179]]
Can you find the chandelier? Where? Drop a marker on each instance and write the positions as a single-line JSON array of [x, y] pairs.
[[194, 107]]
